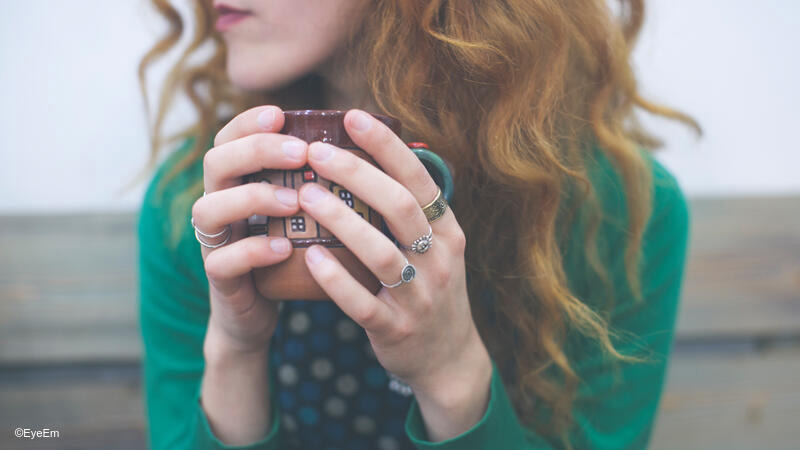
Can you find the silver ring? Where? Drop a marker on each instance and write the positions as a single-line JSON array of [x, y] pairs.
[[422, 244], [210, 236], [207, 245], [198, 233], [406, 275]]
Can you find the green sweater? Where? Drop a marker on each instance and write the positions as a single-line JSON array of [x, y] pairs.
[[616, 402]]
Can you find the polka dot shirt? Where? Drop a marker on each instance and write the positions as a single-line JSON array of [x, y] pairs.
[[331, 391]]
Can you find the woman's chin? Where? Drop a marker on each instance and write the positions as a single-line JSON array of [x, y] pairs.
[[248, 79]]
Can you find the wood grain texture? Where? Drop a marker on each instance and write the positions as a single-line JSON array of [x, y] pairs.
[[91, 407], [731, 401], [68, 286], [743, 273]]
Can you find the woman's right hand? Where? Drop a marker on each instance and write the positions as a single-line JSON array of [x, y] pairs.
[[241, 320]]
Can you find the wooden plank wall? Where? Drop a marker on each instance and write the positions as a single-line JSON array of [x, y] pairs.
[[69, 342]]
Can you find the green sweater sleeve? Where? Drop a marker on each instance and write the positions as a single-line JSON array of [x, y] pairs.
[[616, 403], [174, 312]]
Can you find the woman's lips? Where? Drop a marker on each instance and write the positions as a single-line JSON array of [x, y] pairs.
[[226, 21], [228, 17]]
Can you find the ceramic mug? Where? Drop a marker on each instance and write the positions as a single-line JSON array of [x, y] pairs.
[[290, 279]]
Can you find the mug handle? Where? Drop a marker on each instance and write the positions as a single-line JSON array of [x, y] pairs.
[[438, 168]]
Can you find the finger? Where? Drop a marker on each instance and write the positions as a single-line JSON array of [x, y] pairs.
[[214, 211], [353, 298], [223, 166], [225, 265], [391, 199], [369, 245], [391, 154], [397, 160], [260, 119]]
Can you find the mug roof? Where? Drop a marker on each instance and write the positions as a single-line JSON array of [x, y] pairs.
[[326, 125]]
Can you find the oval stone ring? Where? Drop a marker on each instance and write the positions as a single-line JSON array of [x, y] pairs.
[[406, 275]]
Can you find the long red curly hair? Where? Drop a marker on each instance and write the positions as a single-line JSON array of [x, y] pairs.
[[513, 93]]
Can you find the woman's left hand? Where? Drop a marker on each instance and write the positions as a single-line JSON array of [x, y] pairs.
[[422, 331]]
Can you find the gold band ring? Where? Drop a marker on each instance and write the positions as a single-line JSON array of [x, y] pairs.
[[435, 209]]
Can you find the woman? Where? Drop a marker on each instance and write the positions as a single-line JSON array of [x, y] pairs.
[[541, 317]]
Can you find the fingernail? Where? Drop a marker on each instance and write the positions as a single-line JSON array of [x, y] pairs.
[[320, 151], [313, 193], [361, 122], [287, 196], [314, 255], [266, 118], [293, 148], [279, 245]]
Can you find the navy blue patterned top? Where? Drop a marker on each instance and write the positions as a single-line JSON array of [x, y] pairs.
[[331, 390]]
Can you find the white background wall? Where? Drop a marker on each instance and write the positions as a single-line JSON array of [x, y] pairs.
[[72, 127]]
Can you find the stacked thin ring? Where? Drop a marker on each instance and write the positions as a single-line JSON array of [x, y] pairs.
[[197, 233]]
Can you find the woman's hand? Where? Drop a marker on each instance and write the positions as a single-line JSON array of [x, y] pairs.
[[235, 386], [249, 143], [421, 331]]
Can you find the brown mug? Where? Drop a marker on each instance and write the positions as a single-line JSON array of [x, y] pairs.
[[290, 279]]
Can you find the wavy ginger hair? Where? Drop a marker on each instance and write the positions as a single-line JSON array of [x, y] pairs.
[[510, 92]]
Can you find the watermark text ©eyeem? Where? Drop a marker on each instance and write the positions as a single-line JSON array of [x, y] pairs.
[[38, 433]]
